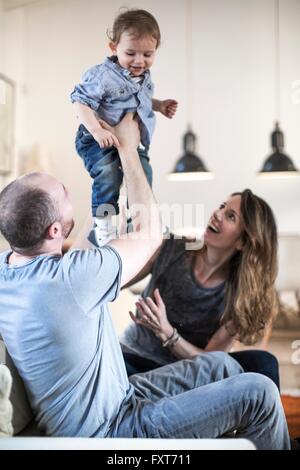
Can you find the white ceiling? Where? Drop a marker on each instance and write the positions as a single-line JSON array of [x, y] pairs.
[[11, 4]]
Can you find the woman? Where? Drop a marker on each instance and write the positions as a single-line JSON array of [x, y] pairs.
[[206, 299]]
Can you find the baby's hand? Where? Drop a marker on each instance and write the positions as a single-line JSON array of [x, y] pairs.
[[168, 108], [106, 138]]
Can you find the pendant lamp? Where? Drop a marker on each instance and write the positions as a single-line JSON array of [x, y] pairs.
[[278, 164], [189, 166]]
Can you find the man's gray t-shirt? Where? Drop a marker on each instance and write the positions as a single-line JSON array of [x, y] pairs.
[[58, 330]]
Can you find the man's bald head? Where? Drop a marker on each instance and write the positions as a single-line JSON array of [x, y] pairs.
[[40, 180], [27, 209]]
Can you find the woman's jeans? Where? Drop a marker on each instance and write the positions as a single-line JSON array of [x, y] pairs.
[[208, 396], [104, 167], [252, 360]]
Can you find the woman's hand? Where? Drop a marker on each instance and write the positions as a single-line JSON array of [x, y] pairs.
[[153, 315]]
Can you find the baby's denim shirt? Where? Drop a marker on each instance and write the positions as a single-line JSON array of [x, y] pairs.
[[108, 89]]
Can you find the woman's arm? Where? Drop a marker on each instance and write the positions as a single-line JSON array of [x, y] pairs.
[[153, 315], [221, 341]]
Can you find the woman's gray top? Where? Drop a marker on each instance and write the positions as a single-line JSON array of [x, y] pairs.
[[194, 310]]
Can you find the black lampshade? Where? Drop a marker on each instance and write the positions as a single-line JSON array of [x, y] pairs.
[[278, 163], [189, 166]]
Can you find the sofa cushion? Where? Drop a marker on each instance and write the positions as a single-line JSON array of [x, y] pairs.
[[6, 410], [22, 413]]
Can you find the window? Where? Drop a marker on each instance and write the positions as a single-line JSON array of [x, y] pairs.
[[7, 98]]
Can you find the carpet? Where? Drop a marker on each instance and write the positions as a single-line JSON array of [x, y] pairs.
[[291, 405]]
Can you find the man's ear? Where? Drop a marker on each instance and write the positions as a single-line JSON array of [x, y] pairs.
[[54, 231], [113, 47]]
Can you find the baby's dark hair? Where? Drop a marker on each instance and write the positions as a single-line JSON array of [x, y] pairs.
[[141, 22]]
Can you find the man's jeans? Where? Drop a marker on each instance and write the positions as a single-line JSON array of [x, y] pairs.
[[251, 360], [104, 167], [208, 396]]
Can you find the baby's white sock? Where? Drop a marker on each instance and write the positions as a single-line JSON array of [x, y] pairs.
[[105, 229]]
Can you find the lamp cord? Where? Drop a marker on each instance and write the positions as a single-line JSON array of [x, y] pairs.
[[277, 58], [189, 61]]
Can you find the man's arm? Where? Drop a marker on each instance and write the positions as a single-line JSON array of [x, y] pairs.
[[136, 248]]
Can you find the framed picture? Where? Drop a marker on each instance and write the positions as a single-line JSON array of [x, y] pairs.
[[7, 104]]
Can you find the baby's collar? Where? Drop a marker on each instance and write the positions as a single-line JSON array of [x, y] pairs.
[[112, 62]]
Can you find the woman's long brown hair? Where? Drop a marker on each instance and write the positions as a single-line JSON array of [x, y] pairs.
[[251, 301]]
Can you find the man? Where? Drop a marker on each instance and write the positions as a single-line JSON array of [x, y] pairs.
[[57, 328]]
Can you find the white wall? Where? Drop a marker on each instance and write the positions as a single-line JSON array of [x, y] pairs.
[[11, 4], [52, 42], [12, 59], [2, 180], [1, 33]]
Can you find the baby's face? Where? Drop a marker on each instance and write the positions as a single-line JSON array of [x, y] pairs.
[[135, 54]]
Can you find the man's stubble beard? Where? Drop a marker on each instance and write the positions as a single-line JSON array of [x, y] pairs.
[[67, 228]]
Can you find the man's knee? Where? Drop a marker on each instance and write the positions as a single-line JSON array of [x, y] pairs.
[[260, 385], [218, 356], [221, 360]]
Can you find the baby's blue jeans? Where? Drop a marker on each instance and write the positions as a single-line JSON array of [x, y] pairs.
[[104, 167]]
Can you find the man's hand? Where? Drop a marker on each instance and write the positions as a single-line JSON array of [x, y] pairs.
[[168, 108]]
